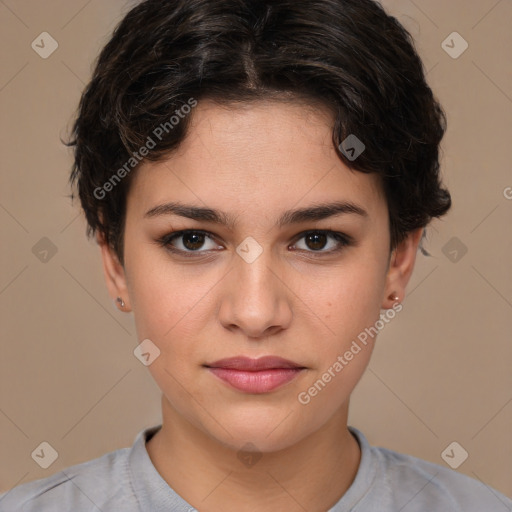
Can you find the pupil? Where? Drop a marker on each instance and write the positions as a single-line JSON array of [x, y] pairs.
[[194, 245], [315, 237]]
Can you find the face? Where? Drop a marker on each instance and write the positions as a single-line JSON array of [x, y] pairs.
[[263, 283]]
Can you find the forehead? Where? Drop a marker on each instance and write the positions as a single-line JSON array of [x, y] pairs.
[[254, 157]]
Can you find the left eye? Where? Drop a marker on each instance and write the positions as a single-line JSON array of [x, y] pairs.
[[193, 240], [318, 239]]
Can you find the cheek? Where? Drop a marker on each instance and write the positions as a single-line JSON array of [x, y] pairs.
[[172, 307], [349, 297], [166, 296], [347, 304]]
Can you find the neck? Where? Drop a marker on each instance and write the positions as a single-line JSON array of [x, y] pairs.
[[312, 474]]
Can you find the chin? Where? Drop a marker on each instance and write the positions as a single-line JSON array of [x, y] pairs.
[[267, 430]]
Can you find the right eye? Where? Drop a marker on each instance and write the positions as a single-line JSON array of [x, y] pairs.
[[190, 241]]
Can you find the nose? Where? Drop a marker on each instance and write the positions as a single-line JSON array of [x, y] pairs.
[[256, 299]]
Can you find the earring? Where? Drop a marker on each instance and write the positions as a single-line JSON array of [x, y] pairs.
[[393, 296], [120, 301]]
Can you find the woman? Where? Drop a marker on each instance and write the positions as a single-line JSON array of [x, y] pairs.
[[258, 176]]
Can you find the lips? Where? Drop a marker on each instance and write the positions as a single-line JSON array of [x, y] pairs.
[[255, 376], [253, 365]]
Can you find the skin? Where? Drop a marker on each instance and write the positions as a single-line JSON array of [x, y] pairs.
[[254, 162]]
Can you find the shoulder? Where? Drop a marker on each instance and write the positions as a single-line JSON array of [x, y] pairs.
[[419, 485], [391, 481], [79, 488]]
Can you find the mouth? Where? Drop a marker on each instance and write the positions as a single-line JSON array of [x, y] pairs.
[[260, 375]]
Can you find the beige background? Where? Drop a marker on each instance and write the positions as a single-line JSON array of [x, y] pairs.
[[441, 371]]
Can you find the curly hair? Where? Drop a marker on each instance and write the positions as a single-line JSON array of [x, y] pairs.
[[348, 55]]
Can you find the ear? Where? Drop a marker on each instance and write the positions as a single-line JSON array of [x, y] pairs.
[[114, 273], [400, 268]]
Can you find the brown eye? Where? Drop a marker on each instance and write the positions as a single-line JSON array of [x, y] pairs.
[[316, 241], [188, 242], [193, 241]]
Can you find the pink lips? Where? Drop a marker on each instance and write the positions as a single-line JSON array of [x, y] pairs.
[[255, 375]]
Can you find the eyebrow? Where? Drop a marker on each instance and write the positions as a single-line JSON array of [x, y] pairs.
[[311, 213]]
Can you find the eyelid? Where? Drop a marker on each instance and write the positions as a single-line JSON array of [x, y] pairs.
[[342, 239], [166, 240]]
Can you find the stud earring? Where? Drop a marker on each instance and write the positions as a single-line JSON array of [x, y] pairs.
[[120, 301], [393, 296]]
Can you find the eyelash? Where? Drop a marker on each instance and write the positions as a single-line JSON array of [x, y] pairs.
[[165, 241]]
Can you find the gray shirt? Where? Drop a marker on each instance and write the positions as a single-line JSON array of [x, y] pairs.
[[125, 480]]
